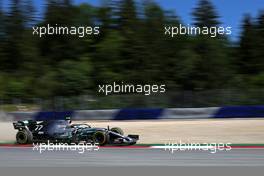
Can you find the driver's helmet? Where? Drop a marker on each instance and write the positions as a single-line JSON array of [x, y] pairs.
[[68, 118]]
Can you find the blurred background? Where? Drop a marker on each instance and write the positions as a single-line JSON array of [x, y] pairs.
[[63, 72]]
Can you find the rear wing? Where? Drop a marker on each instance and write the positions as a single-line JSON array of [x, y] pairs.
[[20, 125]]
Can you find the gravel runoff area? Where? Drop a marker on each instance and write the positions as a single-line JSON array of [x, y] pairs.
[[162, 131]]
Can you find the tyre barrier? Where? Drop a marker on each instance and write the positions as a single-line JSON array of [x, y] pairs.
[[143, 114], [240, 112]]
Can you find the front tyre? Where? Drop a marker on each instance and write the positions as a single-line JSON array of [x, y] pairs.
[[101, 138], [117, 130]]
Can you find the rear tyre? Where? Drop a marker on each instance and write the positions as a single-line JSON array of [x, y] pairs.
[[117, 130], [30, 137], [100, 138], [24, 137]]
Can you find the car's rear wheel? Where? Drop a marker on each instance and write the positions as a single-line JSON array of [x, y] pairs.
[[75, 139], [24, 137], [100, 138], [117, 130]]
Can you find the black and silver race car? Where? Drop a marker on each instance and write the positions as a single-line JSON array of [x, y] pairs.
[[57, 131]]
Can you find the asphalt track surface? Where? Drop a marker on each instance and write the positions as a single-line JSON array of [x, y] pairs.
[[116, 157]]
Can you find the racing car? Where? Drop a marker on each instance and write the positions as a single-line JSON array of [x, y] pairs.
[[58, 131]]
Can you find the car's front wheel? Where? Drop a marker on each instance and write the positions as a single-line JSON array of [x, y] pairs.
[[117, 130], [100, 138]]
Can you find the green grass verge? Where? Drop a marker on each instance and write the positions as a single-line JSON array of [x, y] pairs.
[[20, 107]]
